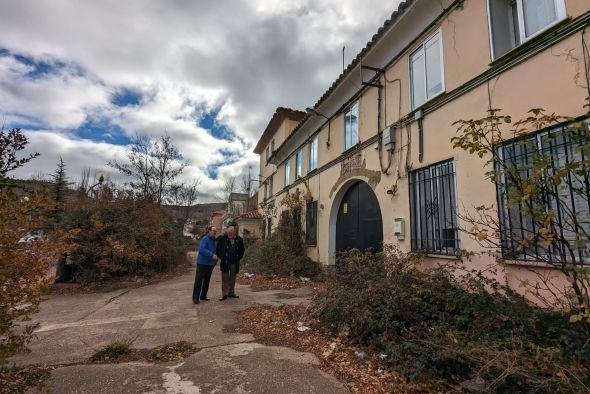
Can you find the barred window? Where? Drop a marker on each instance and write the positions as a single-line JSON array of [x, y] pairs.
[[560, 189], [311, 221], [433, 209]]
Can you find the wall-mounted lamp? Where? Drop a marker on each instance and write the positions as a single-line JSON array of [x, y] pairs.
[[392, 190], [313, 112]]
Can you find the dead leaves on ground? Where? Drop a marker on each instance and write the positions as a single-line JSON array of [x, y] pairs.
[[363, 372], [259, 282]]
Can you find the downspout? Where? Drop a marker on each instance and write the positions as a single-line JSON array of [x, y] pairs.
[[420, 140], [384, 169]]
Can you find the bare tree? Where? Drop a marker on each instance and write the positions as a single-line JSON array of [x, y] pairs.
[[153, 165], [138, 166], [184, 195], [228, 187], [167, 164]]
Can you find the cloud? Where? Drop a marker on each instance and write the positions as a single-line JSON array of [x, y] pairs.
[[90, 75]]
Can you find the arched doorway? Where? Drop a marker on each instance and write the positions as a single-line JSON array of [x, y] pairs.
[[359, 224]]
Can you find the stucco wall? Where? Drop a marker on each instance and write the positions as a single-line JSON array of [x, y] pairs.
[[551, 79]]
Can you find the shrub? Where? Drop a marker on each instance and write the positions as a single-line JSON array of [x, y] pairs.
[[284, 254], [120, 234], [25, 255], [436, 324]]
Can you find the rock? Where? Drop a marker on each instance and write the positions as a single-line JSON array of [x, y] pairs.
[[304, 279], [301, 327], [383, 356], [248, 275], [328, 352], [475, 385], [360, 355]]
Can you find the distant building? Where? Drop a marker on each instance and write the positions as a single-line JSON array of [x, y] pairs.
[[249, 224]]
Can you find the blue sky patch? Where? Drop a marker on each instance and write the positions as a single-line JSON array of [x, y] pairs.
[[126, 97], [42, 68], [217, 130], [101, 131], [228, 158]]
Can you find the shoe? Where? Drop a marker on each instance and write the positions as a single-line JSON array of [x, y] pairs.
[[223, 298], [205, 299], [234, 296], [195, 301]]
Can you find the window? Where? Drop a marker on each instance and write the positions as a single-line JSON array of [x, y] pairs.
[[568, 199], [433, 209], [267, 153], [266, 189], [272, 146], [351, 126], [313, 154], [426, 70], [311, 221], [512, 22], [299, 164], [287, 171]]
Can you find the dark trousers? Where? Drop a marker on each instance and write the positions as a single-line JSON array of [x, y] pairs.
[[228, 281], [202, 278]]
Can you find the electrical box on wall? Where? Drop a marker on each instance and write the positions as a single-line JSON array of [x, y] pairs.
[[388, 137], [398, 228]]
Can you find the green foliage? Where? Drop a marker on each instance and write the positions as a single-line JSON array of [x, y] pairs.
[[120, 234], [437, 324], [284, 254], [112, 351]]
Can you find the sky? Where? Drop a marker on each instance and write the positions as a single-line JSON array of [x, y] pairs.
[[83, 77]]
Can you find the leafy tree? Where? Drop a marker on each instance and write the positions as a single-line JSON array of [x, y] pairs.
[[25, 254], [25, 251], [11, 142], [60, 185], [542, 180]]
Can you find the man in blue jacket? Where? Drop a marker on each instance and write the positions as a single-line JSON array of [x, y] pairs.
[[206, 260]]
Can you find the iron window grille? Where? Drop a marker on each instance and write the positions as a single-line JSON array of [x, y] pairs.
[[551, 149], [311, 218], [433, 212]]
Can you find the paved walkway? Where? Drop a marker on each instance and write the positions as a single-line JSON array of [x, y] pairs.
[[72, 327]]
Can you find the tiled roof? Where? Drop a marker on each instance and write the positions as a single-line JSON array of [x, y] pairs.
[[255, 214], [280, 114], [394, 17]]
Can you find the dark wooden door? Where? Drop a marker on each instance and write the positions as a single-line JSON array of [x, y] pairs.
[[359, 224]]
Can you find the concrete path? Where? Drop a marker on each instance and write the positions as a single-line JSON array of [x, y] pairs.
[[73, 327]]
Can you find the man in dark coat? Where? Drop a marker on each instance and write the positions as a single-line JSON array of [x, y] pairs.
[[230, 249]]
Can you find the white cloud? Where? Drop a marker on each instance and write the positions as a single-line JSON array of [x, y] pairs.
[[185, 57]]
